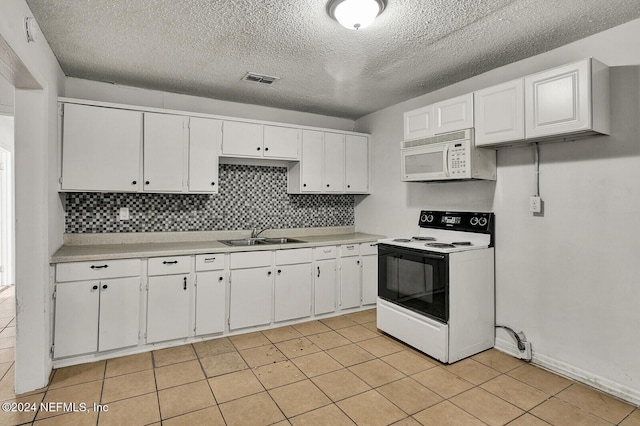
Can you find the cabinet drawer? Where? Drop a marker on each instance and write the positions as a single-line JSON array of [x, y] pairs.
[[209, 262], [250, 259], [322, 253], [97, 270], [368, 248], [169, 265], [349, 250], [290, 257]]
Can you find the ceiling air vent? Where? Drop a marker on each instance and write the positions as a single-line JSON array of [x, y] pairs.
[[260, 78]]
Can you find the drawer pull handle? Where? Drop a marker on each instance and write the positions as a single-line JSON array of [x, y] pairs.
[[173, 262], [209, 259], [373, 245], [95, 287], [185, 283], [104, 287], [99, 267], [318, 272], [326, 250], [350, 247]]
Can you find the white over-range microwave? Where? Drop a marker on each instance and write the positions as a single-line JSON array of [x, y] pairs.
[[449, 156]]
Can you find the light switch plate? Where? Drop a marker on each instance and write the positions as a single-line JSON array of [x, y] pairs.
[[124, 213]]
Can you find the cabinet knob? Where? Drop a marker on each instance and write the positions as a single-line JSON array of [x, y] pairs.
[[104, 287], [358, 262], [213, 183], [328, 185], [279, 271], [304, 184], [269, 273], [266, 149], [146, 182], [258, 148], [95, 287], [135, 182], [220, 279], [348, 186]]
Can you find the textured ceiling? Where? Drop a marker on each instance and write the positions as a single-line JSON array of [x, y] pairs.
[[204, 47]]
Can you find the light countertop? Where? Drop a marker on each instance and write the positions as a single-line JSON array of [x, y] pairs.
[[89, 252]]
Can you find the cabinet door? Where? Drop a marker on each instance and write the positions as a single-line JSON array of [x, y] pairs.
[[119, 313], [350, 282], [242, 139], [205, 138], [357, 164], [292, 292], [418, 123], [557, 101], [281, 142], [324, 289], [251, 297], [164, 152], [101, 149], [167, 308], [369, 279], [311, 161], [333, 173], [453, 114], [76, 318], [499, 113], [210, 302]]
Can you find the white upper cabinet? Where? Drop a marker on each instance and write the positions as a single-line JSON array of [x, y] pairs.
[[499, 113], [102, 149], [356, 164], [260, 141], [310, 165], [442, 117], [165, 139], [281, 142], [242, 139], [333, 173], [205, 138], [453, 114], [418, 123], [568, 99]]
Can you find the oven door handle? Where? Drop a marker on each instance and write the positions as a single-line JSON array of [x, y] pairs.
[[433, 256]]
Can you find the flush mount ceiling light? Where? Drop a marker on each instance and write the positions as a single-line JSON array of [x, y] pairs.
[[355, 14]]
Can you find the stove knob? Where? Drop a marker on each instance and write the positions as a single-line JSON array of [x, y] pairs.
[[474, 221], [430, 218], [482, 221], [423, 218]]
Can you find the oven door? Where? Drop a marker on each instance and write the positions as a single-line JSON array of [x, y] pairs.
[[415, 279]]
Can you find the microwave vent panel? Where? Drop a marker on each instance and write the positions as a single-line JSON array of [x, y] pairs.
[[447, 137]]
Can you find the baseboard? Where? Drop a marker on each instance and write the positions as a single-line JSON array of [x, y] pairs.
[[562, 368]]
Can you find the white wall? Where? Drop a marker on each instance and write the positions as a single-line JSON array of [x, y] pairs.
[[106, 92], [39, 215], [570, 279]]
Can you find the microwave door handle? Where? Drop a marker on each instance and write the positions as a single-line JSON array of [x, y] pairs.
[[445, 159]]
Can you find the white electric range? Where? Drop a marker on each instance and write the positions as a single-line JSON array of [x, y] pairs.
[[436, 289]]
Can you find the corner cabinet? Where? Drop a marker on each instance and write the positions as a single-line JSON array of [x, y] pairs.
[[330, 163]]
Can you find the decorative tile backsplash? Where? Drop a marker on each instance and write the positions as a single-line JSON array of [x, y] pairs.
[[249, 196]]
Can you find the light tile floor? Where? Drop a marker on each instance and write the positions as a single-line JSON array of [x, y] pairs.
[[338, 371]]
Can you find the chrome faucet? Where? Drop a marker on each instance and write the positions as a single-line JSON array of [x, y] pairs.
[[255, 232]]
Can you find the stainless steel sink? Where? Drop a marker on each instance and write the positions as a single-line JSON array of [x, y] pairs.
[[244, 242], [259, 241], [282, 240]]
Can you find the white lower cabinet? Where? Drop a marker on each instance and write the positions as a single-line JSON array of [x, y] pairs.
[[350, 276], [324, 280], [168, 307], [251, 297], [96, 314], [210, 288], [292, 295], [210, 301], [369, 260], [119, 313]]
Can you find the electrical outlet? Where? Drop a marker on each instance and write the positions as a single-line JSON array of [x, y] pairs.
[[535, 204], [124, 213]]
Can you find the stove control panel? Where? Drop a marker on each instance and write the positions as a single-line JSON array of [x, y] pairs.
[[480, 222]]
